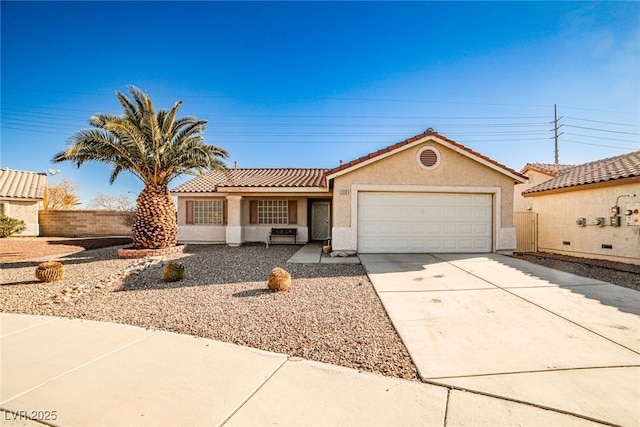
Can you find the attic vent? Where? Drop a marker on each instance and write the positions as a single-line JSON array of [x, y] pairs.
[[429, 158]]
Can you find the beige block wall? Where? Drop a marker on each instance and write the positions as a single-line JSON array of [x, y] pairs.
[[557, 214], [83, 223], [26, 211], [521, 203]]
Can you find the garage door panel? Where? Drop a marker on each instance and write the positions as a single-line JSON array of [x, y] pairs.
[[424, 222]]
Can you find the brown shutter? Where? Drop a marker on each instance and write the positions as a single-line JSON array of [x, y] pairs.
[[253, 212], [293, 211], [189, 219], [225, 211]]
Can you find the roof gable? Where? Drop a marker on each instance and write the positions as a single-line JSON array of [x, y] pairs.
[[610, 169], [428, 135], [276, 178], [22, 185]]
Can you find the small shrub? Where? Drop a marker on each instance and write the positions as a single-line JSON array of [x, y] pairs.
[[173, 272], [279, 280], [50, 271], [9, 226]]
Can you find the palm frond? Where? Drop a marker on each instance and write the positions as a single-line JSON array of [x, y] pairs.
[[154, 146]]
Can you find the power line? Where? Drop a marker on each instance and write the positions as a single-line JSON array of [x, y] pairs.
[[599, 137], [602, 130], [600, 121], [597, 145]]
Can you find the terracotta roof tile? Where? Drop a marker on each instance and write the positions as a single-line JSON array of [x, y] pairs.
[[553, 169], [428, 132], [254, 177], [612, 168], [22, 185]]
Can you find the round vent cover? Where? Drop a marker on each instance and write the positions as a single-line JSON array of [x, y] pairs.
[[429, 157]]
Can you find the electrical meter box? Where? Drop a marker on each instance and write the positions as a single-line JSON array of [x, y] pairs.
[[632, 214]]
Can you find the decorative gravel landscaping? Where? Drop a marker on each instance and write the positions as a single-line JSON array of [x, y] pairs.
[[331, 314]]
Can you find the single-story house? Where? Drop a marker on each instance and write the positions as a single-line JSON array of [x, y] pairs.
[[591, 210], [536, 173], [427, 193], [21, 196]]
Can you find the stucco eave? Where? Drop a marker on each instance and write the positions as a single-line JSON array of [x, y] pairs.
[[437, 140], [291, 191], [21, 199]]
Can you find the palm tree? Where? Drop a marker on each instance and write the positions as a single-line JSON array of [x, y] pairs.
[[156, 148]]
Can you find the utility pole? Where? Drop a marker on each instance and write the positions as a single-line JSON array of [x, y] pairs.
[[555, 131]]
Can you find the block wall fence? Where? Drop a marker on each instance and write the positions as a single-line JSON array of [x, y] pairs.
[[85, 223]]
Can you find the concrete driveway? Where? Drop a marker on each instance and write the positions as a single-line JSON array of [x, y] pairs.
[[506, 327]]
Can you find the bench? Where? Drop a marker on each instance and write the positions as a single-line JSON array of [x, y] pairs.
[[284, 232]]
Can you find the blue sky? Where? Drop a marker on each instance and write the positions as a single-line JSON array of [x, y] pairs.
[[307, 84]]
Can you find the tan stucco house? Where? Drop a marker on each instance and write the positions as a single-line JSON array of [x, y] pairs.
[[424, 194], [21, 196], [536, 173], [591, 210]]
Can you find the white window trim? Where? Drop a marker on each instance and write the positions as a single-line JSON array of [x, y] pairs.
[[218, 206], [281, 214]]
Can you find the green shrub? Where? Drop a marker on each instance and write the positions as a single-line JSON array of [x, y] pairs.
[[173, 272], [9, 226]]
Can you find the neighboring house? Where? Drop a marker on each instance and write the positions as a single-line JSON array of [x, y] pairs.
[[579, 209], [536, 174], [425, 194], [21, 196]]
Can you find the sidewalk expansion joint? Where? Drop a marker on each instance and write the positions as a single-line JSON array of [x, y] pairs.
[[53, 319], [534, 371], [82, 365], [541, 307], [253, 393], [451, 388]]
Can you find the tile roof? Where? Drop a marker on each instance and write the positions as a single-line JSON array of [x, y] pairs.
[[428, 132], [22, 185], [254, 178], [553, 169], [612, 168], [310, 177]]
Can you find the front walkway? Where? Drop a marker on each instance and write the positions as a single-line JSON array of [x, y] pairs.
[[506, 327], [311, 253]]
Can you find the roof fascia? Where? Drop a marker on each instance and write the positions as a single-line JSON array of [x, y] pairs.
[[422, 140], [590, 186], [20, 199], [246, 190], [275, 189]]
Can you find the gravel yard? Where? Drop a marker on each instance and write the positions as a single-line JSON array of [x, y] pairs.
[[627, 275], [332, 314]]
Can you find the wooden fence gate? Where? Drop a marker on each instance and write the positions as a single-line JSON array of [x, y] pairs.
[[526, 225]]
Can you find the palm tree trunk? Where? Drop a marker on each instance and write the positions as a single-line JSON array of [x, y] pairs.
[[155, 226]]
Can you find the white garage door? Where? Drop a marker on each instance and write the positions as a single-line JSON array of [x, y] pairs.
[[424, 222]]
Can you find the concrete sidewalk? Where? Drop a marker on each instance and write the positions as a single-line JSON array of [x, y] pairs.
[[83, 373], [506, 327], [311, 253]]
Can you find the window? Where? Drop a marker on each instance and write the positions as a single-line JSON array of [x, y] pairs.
[[273, 212], [208, 212]]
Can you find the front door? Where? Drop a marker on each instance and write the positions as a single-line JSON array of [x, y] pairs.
[[320, 214]]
